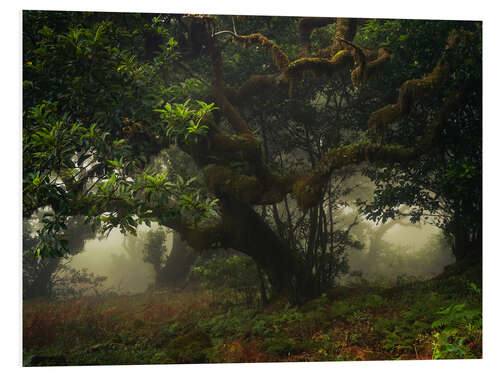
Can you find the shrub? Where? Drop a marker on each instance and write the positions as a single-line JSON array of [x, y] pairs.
[[234, 278]]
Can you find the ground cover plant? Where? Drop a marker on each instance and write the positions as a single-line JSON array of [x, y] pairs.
[[434, 319]]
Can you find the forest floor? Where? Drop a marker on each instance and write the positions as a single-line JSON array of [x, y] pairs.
[[440, 318]]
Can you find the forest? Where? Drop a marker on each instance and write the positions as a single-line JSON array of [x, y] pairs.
[[263, 188]]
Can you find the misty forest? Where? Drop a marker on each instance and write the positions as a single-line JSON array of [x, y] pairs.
[[210, 189]]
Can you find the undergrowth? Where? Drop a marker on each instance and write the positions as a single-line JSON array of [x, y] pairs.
[[437, 319]]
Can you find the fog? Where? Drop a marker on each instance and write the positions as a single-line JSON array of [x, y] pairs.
[[127, 273], [123, 266], [389, 250], [412, 237]]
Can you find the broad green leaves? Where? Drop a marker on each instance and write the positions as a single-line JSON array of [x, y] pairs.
[[184, 124], [90, 130]]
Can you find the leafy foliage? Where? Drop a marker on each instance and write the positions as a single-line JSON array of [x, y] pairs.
[[90, 129], [184, 122]]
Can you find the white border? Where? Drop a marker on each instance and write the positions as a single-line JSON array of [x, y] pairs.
[[10, 125]]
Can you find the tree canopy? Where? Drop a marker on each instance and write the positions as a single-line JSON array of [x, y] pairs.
[[259, 122]]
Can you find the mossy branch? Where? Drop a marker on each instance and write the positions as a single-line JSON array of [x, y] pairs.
[[413, 91], [306, 27], [363, 73], [343, 60], [202, 237], [234, 117], [308, 189], [280, 59], [224, 181]]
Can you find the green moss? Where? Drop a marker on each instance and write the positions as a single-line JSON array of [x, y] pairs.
[[308, 189], [244, 147], [414, 90], [362, 73], [340, 61], [223, 180]]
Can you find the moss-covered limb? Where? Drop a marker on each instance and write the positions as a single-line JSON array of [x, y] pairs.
[[308, 189], [343, 60], [409, 93], [204, 236], [245, 147], [265, 188], [241, 171], [234, 166], [223, 181], [432, 135], [414, 90], [364, 72], [280, 59], [306, 27], [368, 62], [232, 114]]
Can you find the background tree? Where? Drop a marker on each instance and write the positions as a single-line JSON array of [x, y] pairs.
[[178, 264], [52, 276], [155, 251]]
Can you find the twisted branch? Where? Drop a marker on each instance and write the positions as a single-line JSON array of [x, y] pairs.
[[414, 90]]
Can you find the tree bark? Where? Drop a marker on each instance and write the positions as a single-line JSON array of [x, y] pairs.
[[246, 231]]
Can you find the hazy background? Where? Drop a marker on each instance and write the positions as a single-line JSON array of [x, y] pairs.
[[128, 273]]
